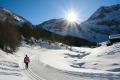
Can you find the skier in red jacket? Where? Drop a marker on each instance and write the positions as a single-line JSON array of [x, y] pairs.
[[26, 61]]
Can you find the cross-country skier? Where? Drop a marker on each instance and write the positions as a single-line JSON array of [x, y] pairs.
[[26, 61]]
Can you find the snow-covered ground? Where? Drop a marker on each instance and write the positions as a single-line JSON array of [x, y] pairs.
[[51, 63], [9, 68], [101, 59]]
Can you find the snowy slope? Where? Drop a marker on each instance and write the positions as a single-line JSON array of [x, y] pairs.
[[7, 15], [76, 63], [104, 22], [61, 26], [99, 59], [9, 68], [65, 64], [103, 58]]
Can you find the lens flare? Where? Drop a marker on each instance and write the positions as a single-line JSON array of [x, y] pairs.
[[71, 17]]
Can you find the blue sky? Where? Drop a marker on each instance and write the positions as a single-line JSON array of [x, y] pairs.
[[37, 11]]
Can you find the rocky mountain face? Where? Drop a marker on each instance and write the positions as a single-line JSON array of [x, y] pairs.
[[7, 15], [104, 22]]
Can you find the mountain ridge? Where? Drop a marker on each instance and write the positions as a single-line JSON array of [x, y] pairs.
[[104, 22], [7, 15]]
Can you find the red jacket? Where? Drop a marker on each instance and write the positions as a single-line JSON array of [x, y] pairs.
[[26, 60]]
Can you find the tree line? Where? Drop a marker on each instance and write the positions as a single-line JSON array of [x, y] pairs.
[[10, 36]]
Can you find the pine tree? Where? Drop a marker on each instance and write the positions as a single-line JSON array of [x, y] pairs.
[[9, 37]]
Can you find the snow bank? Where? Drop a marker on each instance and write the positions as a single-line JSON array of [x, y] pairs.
[[9, 68], [102, 59]]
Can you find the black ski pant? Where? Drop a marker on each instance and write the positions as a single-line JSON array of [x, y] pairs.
[[26, 65]]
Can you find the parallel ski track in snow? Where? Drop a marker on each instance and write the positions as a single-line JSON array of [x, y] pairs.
[[83, 76], [32, 75]]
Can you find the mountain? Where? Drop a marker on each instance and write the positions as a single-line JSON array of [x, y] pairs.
[[7, 15], [60, 30], [97, 28], [23, 25], [12, 27], [104, 22], [62, 27]]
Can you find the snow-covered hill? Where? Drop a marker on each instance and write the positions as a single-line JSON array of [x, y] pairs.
[[80, 59], [9, 67], [75, 63], [104, 22], [62, 27], [7, 15]]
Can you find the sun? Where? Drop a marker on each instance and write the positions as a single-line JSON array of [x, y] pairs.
[[71, 16]]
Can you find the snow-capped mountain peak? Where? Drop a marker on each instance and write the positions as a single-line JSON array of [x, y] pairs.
[[105, 10], [61, 26]]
